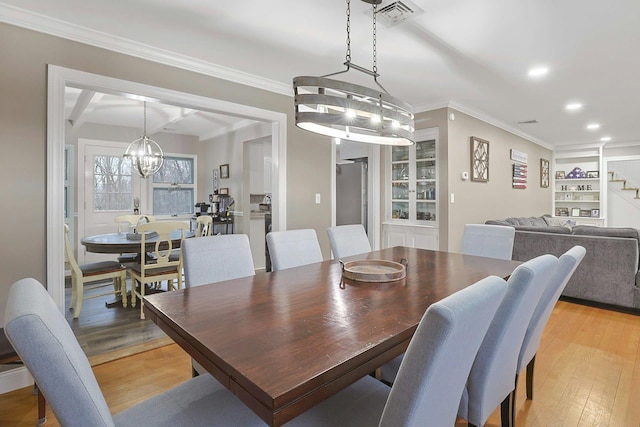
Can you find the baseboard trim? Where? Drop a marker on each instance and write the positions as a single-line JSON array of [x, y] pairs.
[[602, 305], [15, 379]]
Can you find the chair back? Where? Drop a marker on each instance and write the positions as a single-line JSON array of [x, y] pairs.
[[204, 225], [293, 248], [126, 221], [567, 264], [68, 253], [348, 240], [163, 247], [45, 343], [435, 367], [491, 241], [492, 376], [213, 259]]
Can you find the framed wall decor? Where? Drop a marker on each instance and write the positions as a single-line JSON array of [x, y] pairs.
[[479, 160], [223, 191], [575, 211], [593, 174], [559, 174], [544, 173], [595, 213], [224, 171]]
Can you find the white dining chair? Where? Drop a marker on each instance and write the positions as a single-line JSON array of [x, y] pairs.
[[293, 248], [567, 265], [426, 393], [125, 224], [348, 240], [204, 226], [492, 377], [491, 241], [160, 266], [88, 277]]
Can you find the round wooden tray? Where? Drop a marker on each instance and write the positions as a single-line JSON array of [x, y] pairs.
[[374, 270]]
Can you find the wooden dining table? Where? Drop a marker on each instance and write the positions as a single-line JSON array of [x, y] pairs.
[[286, 340], [120, 243]]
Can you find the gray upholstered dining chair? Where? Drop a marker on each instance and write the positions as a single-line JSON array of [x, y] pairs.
[[293, 248], [213, 259], [492, 377], [233, 259], [92, 276], [491, 241], [348, 240], [45, 342], [567, 264]]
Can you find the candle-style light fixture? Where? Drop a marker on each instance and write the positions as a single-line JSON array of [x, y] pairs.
[[348, 111], [145, 154]]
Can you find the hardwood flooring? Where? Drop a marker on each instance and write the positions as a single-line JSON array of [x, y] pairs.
[[110, 333], [587, 374]]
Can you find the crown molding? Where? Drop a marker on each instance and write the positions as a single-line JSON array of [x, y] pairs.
[[55, 27], [497, 123]]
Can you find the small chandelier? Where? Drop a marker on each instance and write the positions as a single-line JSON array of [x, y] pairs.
[[145, 154], [349, 111]]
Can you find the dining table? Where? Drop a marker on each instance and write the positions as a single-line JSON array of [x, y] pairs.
[[284, 341], [124, 242]]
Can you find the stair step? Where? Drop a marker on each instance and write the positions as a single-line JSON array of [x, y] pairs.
[[617, 180], [630, 188]]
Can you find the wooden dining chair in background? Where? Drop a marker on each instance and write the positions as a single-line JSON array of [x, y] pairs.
[[293, 248], [348, 240], [160, 266], [125, 224], [204, 226], [93, 276]]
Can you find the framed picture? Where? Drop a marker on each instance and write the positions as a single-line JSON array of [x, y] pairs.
[[223, 191], [585, 212], [575, 211], [559, 174], [562, 211], [544, 173], [224, 171], [595, 213], [593, 174], [479, 160]]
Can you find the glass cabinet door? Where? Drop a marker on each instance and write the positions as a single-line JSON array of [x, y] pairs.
[[413, 182]]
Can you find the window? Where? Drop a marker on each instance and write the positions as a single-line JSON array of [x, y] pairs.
[[111, 183], [174, 187]]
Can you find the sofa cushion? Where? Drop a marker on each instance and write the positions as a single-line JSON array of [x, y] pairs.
[[546, 229], [531, 221], [591, 230]]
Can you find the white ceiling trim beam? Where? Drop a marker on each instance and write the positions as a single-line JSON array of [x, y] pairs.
[[86, 102], [44, 24], [173, 118], [226, 129]]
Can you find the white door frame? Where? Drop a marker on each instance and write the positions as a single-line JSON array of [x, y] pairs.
[[59, 78]]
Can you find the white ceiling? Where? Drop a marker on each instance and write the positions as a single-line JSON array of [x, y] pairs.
[[469, 54]]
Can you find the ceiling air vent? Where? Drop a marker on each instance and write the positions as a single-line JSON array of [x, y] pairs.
[[528, 122], [393, 13]]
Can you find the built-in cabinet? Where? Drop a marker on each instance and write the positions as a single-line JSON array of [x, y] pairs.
[[260, 166], [411, 213], [578, 186]]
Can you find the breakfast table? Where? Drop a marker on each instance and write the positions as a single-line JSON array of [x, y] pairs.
[[286, 340]]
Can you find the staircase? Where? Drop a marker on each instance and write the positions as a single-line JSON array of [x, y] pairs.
[[626, 184]]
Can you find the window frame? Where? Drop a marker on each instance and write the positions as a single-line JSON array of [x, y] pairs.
[[151, 186]]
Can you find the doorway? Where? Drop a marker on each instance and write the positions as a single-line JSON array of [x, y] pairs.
[[60, 78]]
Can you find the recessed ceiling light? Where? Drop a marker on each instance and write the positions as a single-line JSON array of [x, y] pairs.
[[605, 138], [538, 71], [573, 106], [593, 126]]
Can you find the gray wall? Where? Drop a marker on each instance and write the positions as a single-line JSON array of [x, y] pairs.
[[23, 113]]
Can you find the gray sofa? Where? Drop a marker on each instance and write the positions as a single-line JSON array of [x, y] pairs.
[[609, 272]]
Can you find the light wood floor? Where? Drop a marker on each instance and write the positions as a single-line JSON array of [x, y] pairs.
[[587, 374]]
